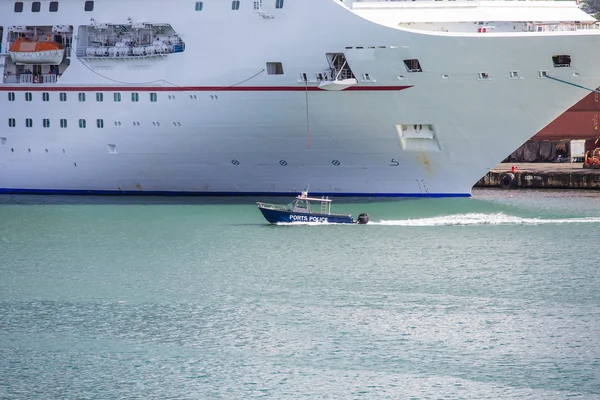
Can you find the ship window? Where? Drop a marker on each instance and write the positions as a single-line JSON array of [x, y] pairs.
[[274, 68], [153, 97], [46, 123], [11, 96], [135, 97], [117, 97], [89, 6], [36, 6], [81, 96], [484, 75], [63, 123], [19, 6], [82, 123], [100, 123], [278, 3], [12, 123], [28, 96], [46, 96], [561, 61], [413, 65], [29, 122], [235, 5], [513, 74], [53, 6], [63, 96], [99, 97], [199, 6]]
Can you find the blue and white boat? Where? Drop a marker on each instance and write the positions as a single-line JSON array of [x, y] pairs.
[[300, 210]]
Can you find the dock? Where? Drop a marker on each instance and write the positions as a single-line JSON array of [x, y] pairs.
[[541, 175]]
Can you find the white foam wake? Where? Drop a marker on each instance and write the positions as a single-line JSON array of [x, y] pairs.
[[483, 219]]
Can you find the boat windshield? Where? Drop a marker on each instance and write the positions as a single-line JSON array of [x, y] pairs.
[[300, 205]]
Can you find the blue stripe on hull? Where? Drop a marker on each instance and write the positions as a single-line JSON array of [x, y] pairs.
[[174, 193]]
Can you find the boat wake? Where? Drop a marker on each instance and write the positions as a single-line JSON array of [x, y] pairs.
[[483, 219]]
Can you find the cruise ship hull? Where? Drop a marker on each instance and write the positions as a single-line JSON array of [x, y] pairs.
[[221, 124]]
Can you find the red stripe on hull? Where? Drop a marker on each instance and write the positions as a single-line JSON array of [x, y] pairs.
[[41, 88]]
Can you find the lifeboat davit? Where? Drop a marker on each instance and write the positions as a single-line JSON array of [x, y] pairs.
[[26, 51]]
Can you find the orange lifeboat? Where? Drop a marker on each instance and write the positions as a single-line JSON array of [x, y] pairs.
[[26, 51]]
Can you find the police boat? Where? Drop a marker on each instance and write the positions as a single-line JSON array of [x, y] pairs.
[[300, 210]]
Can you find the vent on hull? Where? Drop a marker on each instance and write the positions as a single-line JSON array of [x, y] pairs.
[[418, 137]]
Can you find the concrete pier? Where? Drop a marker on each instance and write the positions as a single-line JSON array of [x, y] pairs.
[[538, 175]]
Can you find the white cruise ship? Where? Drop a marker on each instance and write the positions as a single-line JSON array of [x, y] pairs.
[[234, 97]]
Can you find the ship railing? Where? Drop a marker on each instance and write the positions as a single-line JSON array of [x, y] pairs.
[[80, 52], [48, 78], [565, 27], [34, 79], [26, 78], [110, 52], [334, 74]]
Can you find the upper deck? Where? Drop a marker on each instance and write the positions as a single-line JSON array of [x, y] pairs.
[[470, 15]]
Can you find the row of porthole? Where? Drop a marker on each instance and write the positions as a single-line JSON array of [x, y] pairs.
[[99, 97], [12, 150], [283, 163], [135, 123], [192, 97], [513, 74]]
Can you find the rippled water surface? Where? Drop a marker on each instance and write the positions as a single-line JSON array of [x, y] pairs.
[[496, 296]]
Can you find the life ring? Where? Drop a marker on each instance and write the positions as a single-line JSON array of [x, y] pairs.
[[508, 180]]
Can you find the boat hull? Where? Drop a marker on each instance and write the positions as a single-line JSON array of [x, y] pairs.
[[46, 57], [284, 216]]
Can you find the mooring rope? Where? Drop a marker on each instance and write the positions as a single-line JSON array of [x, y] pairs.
[[572, 84]]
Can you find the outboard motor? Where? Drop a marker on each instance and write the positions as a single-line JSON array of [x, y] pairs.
[[363, 219]]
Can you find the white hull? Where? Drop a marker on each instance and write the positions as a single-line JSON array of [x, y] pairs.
[[222, 125]]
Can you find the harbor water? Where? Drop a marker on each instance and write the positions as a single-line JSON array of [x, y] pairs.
[[490, 297]]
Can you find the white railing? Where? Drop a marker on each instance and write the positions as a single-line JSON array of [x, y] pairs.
[[26, 78], [48, 78], [565, 27], [43, 78]]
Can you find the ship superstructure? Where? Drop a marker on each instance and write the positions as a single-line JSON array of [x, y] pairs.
[[247, 97]]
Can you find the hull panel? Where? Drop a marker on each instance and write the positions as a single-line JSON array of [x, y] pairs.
[[281, 216], [214, 122]]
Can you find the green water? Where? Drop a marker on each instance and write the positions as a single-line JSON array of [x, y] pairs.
[[496, 296]]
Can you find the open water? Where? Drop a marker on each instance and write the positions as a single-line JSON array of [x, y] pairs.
[[491, 297]]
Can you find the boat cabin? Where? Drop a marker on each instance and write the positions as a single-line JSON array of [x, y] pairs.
[[302, 203]]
